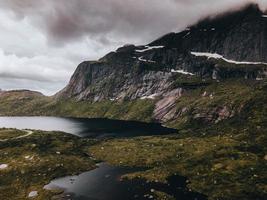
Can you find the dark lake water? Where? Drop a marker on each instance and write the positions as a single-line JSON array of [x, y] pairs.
[[104, 182], [86, 127]]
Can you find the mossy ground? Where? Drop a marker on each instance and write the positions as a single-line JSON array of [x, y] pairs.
[[36, 160], [225, 166], [7, 134]]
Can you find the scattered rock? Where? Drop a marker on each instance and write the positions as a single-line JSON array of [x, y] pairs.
[[3, 166], [29, 157], [224, 113], [33, 194], [211, 96], [204, 94]]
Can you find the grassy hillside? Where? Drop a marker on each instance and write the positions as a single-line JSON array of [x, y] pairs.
[[203, 101], [21, 103], [33, 161], [242, 100], [220, 166]]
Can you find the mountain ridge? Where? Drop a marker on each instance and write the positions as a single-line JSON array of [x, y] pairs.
[[156, 78], [236, 37]]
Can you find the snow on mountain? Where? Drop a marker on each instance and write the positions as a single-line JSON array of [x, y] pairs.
[[218, 56], [148, 48]]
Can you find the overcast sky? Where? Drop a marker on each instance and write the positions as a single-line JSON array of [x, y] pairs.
[[43, 41]]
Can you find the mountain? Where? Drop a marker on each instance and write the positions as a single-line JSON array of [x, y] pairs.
[[229, 46], [193, 76], [208, 81], [238, 40]]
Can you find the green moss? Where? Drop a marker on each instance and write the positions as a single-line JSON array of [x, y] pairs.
[[35, 160], [162, 196], [14, 104], [222, 166], [140, 110], [6, 134]]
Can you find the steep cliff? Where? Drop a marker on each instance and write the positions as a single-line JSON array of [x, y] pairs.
[[229, 46], [233, 45]]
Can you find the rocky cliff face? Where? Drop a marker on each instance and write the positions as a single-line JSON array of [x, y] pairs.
[[233, 45]]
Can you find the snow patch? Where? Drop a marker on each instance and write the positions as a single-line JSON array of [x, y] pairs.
[[148, 48], [144, 60], [182, 72], [204, 94], [218, 56], [3, 166]]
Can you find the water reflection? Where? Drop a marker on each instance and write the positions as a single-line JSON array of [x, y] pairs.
[[104, 183], [86, 127]]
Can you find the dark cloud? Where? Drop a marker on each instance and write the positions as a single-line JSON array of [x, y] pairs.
[[42, 41], [135, 20]]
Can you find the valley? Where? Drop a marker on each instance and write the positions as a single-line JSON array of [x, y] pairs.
[[207, 85]]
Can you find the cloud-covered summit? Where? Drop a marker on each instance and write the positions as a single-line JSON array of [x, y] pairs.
[[44, 40], [63, 21]]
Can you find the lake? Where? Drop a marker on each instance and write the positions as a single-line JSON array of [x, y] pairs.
[[104, 183], [86, 127]]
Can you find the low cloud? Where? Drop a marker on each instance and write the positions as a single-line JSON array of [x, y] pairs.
[[140, 21], [42, 42]]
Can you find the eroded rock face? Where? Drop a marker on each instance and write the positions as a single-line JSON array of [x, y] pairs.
[[166, 107], [214, 115]]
